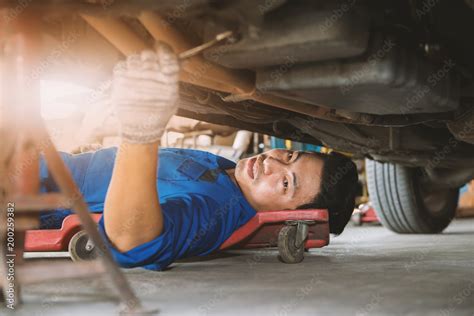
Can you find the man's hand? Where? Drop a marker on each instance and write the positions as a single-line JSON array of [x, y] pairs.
[[144, 93]]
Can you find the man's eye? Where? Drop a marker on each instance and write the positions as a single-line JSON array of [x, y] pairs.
[[290, 155], [285, 184]]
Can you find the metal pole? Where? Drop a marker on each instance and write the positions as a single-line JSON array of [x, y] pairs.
[[65, 182]]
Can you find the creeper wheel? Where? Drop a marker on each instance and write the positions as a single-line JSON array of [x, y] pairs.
[[80, 248], [288, 251]]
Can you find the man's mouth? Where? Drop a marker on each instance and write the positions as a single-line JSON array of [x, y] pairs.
[[251, 170]]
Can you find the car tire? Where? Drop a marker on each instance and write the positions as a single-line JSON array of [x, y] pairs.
[[406, 202]]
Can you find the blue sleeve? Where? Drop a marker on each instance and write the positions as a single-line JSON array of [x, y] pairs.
[[193, 225]]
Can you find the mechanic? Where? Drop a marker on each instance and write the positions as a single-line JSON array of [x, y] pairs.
[[160, 205]]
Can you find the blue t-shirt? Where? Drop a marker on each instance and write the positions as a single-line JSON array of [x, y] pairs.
[[201, 205]]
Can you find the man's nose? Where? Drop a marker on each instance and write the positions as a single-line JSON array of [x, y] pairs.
[[270, 165]]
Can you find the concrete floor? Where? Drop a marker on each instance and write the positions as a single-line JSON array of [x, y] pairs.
[[366, 271]]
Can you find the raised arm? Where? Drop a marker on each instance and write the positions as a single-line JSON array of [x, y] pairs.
[[144, 95]]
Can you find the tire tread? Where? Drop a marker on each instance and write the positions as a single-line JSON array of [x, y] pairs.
[[394, 196]]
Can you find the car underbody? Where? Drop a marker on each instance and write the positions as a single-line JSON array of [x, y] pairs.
[[387, 80]]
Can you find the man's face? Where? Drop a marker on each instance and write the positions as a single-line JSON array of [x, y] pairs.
[[279, 179]]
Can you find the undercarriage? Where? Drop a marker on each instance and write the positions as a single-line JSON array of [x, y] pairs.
[[389, 81]]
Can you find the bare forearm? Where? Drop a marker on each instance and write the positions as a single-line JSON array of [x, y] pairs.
[[144, 96], [132, 212]]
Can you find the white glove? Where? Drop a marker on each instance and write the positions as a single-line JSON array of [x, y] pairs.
[[144, 93]]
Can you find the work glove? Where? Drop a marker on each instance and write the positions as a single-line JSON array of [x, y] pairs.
[[145, 93]]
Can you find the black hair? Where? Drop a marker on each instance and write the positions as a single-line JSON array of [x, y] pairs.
[[338, 189]]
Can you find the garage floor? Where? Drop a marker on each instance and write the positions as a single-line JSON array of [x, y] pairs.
[[366, 271]]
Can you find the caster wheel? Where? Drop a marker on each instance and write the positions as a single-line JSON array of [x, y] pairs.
[[80, 248], [288, 252]]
